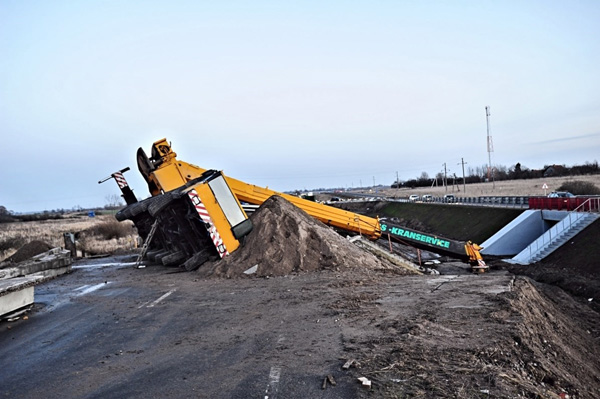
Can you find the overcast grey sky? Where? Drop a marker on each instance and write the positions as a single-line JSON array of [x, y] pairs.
[[289, 95]]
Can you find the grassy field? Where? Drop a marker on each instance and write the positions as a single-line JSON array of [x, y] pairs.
[[530, 187], [98, 235]]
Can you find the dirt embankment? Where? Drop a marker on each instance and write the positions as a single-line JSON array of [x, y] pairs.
[[463, 342], [286, 240], [574, 267]]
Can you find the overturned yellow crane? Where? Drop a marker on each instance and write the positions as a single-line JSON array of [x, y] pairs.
[[183, 230]]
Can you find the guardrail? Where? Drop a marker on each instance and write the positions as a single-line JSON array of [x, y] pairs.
[[564, 204], [518, 202], [510, 201], [561, 204], [506, 201]]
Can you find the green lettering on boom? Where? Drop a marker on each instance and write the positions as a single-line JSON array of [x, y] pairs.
[[416, 236]]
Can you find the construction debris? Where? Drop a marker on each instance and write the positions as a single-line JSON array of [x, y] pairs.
[[331, 380], [349, 363], [252, 270], [366, 383], [47, 264]]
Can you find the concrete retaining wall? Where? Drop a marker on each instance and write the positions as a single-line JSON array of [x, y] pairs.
[[516, 235]]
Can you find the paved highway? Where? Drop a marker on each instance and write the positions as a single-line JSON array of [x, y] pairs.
[[111, 331]]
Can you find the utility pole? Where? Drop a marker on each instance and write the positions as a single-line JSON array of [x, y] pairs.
[[490, 147], [445, 178], [462, 161]]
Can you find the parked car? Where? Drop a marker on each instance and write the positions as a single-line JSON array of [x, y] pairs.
[[449, 198], [427, 198], [414, 198], [561, 194]]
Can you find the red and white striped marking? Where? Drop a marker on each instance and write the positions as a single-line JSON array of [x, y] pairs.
[[203, 213], [120, 179]]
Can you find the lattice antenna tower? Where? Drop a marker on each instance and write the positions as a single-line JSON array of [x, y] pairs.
[[490, 147]]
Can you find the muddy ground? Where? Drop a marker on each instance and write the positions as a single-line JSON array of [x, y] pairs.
[[304, 313]]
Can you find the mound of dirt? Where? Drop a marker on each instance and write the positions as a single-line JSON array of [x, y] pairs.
[[287, 240], [533, 341], [28, 251], [555, 343]]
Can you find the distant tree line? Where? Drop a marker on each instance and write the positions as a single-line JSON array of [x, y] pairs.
[[7, 216], [479, 174]]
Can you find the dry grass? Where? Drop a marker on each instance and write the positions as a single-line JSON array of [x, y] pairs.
[[530, 187], [99, 235], [109, 229]]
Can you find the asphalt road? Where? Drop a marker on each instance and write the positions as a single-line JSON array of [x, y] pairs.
[[108, 330]]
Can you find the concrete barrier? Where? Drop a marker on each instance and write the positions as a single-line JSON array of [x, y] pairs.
[[44, 263], [16, 293], [17, 282]]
